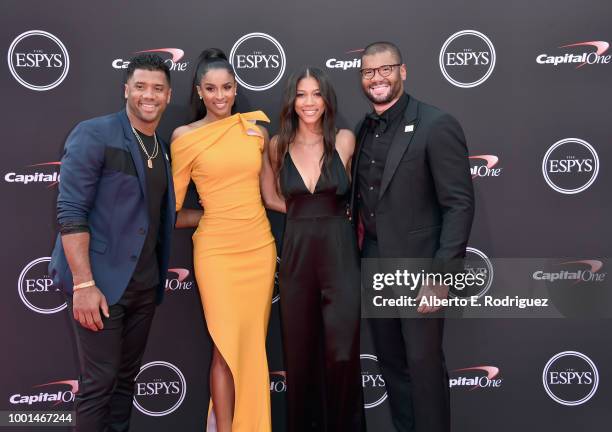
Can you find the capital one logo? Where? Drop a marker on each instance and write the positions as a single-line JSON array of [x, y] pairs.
[[174, 63], [38, 60], [49, 394], [46, 172], [574, 271], [570, 378], [177, 280], [578, 55], [159, 389], [372, 381], [36, 289], [484, 166], [354, 63], [476, 377], [259, 61], [476, 262], [467, 58], [570, 166]]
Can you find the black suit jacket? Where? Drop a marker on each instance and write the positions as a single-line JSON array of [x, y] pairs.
[[426, 200]]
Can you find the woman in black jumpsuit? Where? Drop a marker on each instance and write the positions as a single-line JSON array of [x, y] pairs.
[[319, 276]]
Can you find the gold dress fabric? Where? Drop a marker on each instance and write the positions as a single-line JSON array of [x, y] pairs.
[[234, 253]]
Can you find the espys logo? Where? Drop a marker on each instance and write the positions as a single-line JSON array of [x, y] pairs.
[[570, 378], [36, 289], [50, 399], [484, 166], [575, 271], [476, 262], [570, 166], [580, 57], [374, 390], [473, 378], [278, 382], [467, 58], [276, 292], [354, 63], [180, 282], [38, 60], [173, 63], [259, 61], [46, 172], [159, 389]]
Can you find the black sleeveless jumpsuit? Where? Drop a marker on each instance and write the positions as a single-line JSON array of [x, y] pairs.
[[320, 303]]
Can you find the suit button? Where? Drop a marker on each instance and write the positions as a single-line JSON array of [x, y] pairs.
[[371, 214], [133, 257], [371, 187], [373, 161], [141, 231]]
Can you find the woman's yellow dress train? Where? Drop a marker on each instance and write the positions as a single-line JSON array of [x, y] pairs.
[[234, 253]]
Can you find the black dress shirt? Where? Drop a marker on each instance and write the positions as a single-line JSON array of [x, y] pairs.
[[375, 146], [146, 274]]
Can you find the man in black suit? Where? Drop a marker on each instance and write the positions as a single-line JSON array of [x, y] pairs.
[[413, 196]]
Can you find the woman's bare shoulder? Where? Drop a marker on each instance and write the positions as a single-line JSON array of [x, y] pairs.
[[345, 142], [182, 130]]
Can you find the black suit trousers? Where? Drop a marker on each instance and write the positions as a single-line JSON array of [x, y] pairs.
[[109, 361], [413, 367]]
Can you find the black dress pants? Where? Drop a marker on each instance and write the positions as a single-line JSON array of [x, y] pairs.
[[109, 361], [412, 363]]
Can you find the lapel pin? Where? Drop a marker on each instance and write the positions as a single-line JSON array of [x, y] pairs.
[[409, 128]]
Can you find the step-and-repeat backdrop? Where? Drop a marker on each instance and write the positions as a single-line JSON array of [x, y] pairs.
[[529, 82]]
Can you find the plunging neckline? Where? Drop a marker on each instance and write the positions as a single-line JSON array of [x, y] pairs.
[[314, 191]]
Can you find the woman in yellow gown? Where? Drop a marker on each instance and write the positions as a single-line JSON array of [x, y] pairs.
[[233, 247]]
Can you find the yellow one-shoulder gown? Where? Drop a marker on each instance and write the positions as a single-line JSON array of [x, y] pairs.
[[234, 253]]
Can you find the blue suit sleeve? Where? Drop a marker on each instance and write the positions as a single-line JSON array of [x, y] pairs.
[[80, 172]]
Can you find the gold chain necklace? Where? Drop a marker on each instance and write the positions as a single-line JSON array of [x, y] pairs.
[[144, 149]]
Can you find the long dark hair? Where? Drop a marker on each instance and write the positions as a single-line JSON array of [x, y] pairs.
[[289, 119], [211, 58]]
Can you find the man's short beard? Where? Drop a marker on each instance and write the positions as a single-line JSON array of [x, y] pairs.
[[394, 92]]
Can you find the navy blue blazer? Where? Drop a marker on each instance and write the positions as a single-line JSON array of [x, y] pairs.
[[102, 184]]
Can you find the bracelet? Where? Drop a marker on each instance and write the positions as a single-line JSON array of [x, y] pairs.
[[84, 285]]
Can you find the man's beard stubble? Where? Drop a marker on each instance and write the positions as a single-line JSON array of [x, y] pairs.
[[394, 91]]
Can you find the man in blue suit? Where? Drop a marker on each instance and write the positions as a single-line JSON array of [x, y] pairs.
[[116, 214]]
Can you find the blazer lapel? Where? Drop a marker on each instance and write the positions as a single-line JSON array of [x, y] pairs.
[[399, 145], [135, 152], [170, 189], [358, 146]]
